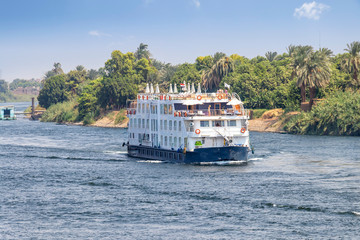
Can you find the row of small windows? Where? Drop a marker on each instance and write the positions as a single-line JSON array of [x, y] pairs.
[[146, 108], [164, 124], [218, 123], [166, 141]]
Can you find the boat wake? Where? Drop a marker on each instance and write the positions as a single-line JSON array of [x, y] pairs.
[[223, 163], [151, 161]]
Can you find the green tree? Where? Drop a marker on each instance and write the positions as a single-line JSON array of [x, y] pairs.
[[204, 63], [54, 91], [186, 72], [218, 56], [271, 56], [315, 71], [299, 55], [142, 52], [74, 79], [212, 78], [351, 62]]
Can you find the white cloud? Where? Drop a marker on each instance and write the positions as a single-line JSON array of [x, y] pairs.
[[197, 3], [311, 10], [94, 33], [98, 34]]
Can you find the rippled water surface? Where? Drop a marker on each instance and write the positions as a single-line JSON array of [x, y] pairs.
[[73, 182]]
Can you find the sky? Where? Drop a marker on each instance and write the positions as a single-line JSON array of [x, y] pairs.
[[35, 34]]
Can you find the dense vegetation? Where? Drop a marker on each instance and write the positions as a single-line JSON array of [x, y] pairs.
[[301, 74], [338, 114]]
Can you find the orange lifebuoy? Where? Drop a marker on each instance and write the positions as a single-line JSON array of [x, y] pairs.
[[185, 114], [219, 97], [199, 97], [242, 130], [197, 131], [143, 97], [174, 114]]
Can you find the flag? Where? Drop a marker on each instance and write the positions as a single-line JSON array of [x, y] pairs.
[[227, 86]]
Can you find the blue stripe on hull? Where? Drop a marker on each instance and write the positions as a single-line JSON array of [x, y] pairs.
[[215, 154]]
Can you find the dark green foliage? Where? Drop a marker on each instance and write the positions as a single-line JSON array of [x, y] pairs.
[[54, 91], [338, 114], [114, 91], [186, 72], [3, 86]]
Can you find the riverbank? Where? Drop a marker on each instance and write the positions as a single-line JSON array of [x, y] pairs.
[[271, 121]]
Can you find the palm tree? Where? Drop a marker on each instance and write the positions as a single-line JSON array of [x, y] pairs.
[[212, 78], [57, 69], [142, 52], [315, 72], [352, 61], [299, 55], [271, 56]]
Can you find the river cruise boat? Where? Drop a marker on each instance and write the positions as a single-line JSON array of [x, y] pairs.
[[7, 113], [188, 127]]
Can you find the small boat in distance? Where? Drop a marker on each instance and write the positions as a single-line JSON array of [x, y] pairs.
[[7, 113], [188, 127]]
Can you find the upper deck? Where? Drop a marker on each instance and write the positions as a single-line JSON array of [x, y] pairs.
[[191, 105]]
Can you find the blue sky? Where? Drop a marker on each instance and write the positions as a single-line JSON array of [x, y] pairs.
[[37, 33]]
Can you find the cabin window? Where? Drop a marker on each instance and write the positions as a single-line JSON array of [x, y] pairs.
[[185, 142], [179, 126], [156, 125], [180, 141], [139, 107], [170, 109], [156, 109], [147, 123], [217, 123], [165, 109], [231, 123], [170, 125], [162, 140], [143, 108], [139, 123], [147, 108], [165, 140], [143, 123], [161, 124], [170, 142], [165, 124], [162, 109], [175, 142], [204, 123], [175, 123]]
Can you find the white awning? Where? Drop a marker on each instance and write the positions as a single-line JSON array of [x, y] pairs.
[[192, 102], [234, 101]]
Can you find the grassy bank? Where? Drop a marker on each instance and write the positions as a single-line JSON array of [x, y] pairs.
[[338, 115], [67, 112]]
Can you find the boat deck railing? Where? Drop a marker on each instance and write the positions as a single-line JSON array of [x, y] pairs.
[[197, 113]]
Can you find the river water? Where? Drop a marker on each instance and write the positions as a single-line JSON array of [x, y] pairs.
[[74, 182]]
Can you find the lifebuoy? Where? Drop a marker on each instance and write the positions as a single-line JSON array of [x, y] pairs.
[[197, 131], [219, 97], [143, 97], [242, 130], [174, 114], [185, 114], [199, 97]]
